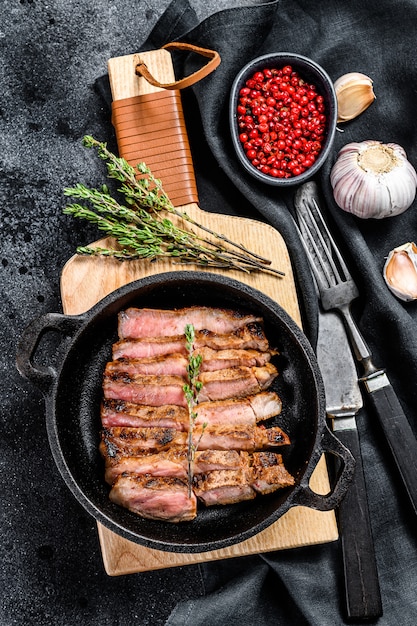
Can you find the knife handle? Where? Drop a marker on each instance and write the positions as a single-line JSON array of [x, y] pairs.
[[397, 430], [363, 596]]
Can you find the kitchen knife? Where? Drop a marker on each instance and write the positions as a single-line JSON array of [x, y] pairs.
[[343, 401]]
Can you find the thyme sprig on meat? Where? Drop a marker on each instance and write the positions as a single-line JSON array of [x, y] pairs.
[[191, 391], [140, 225]]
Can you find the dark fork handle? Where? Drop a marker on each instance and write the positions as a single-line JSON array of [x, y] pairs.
[[363, 596], [397, 430]]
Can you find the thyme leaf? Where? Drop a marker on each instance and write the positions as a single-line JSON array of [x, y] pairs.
[[191, 391], [139, 221]]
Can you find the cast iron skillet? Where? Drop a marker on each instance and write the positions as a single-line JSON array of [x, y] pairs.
[[72, 390]]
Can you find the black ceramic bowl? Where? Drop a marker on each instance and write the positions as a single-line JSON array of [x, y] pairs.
[[73, 392], [312, 73]]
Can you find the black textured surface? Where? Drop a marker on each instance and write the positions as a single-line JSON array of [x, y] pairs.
[[51, 53]]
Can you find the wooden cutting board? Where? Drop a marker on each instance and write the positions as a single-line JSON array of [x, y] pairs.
[[86, 280]]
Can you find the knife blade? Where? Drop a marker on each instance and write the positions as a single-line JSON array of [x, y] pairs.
[[343, 401]]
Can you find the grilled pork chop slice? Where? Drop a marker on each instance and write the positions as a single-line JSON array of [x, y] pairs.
[[249, 410], [269, 472], [236, 382], [225, 359], [251, 336], [264, 472], [234, 411], [127, 441], [148, 347], [142, 389], [176, 364], [172, 462], [122, 413], [223, 487], [159, 390], [162, 365], [137, 323], [162, 498], [260, 472]]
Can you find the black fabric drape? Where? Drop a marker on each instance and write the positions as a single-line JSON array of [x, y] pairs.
[[377, 37]]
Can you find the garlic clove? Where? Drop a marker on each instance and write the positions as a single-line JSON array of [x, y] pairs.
[[400, 271], [354, 93]]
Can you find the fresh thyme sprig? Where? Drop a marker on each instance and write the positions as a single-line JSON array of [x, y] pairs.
[[191, 391], [140, 227]]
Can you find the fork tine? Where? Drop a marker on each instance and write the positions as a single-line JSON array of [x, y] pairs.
[[325, 247], [323, 273], [341, 262]]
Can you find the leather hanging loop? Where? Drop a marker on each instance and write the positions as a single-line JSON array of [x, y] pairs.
[[141, 68]]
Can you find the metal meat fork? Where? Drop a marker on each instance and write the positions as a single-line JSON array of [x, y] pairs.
[[337, 290]]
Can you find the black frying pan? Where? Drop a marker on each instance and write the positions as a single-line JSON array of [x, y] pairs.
[[72, 390]]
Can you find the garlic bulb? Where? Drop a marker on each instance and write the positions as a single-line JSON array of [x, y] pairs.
[[400, 271], [354, 93], [372, 179]]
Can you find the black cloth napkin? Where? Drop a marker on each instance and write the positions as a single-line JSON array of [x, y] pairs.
[[377, 38]]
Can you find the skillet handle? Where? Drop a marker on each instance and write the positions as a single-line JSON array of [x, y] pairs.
[[42, 376], [329, 501]]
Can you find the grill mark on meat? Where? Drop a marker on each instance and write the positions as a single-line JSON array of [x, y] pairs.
[[162, 498], [137, 323], [251, 336]]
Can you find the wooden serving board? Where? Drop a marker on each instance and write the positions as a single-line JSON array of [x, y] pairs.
[[86, 280]]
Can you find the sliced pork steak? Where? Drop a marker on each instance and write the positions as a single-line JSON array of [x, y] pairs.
[[269, 472], [128, 441], [161, 498], [251, 336], [248, 410], [156, 390], [142, 389], [145, 417], [175, 364], [172, 462], [236, 382], [122, 413], [223, 487], [137, 323], [234, 411], [162, 365]]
